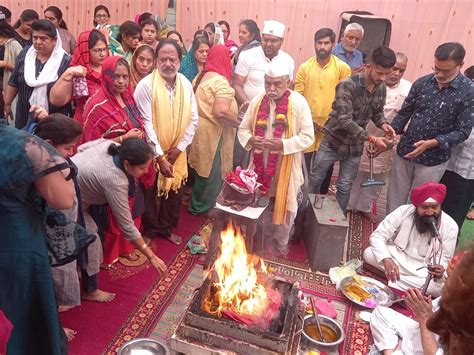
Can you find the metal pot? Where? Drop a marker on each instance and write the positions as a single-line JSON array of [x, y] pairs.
[[146, 346], [331, 323]]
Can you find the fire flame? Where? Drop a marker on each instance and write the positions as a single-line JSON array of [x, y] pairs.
[[237, 288]]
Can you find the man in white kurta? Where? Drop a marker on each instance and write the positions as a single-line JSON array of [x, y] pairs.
[[277, 82], [403, 245], [397, 90]]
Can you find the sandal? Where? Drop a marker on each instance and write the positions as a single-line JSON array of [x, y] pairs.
[[175, 239]]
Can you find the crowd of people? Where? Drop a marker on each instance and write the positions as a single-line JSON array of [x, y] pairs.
[[119, 128]]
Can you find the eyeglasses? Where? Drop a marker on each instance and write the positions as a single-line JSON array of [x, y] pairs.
[[99, 50], [444, 71], [102, 16]]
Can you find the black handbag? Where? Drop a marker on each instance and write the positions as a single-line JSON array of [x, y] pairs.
[[65, 239]]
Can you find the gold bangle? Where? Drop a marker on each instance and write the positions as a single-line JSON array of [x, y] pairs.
[[121, 139]]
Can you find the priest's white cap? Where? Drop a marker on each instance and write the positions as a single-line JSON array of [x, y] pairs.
[[277, 68], [274, 28]]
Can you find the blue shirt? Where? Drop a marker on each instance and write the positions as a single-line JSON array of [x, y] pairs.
[[353, 59], [444, 114]]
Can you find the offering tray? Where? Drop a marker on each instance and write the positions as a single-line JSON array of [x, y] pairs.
[[376, 293]]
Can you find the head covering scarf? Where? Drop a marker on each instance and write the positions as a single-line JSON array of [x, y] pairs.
[[81, 57], [103, 115], [218, 60], [188, 66], [428, 192], [135, 75]]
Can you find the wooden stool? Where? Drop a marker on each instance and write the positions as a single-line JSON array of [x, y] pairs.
[[250, 218]]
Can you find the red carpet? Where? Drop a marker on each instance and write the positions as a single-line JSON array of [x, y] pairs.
[[97, 323]]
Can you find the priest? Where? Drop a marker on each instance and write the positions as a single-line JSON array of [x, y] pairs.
[[405, 243], [277, 128]]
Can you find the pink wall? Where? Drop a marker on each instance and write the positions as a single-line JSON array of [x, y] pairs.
[[78, 14], [418, 26]]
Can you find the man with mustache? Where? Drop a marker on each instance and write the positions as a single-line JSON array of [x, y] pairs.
[[347, 51], [277, 128], [403, 244], [167, 103], [316, 80], [435, 117], [359, 98]]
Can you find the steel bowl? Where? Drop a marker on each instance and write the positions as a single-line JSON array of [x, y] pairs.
[[331, 323], [143, 346]]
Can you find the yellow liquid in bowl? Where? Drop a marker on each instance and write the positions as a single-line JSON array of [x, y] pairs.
[[312, 330]]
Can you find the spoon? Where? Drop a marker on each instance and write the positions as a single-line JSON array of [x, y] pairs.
[[316, 317]]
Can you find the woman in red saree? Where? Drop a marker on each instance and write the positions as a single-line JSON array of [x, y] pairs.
[[111, 113], [87, 60]]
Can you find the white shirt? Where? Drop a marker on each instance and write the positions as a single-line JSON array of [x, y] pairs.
[[397, 237], [462, 158], [142, 96], [253, 64]]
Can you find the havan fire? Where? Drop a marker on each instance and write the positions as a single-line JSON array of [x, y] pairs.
[[240, 287]]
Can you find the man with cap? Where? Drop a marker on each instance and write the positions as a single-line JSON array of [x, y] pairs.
[[277, 128], [404, 243], [248, 81]]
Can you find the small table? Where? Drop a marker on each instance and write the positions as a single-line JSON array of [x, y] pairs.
[[249, 217]]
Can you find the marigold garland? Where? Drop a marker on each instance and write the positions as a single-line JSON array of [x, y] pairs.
[[265, 175]]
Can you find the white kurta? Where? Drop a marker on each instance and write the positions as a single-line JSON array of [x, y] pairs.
[[303, 138], [388, 326], [396, 237]]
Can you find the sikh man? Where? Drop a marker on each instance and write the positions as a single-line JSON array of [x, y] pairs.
[[248, 81], [435, 117], [347, 51], [395, 333], [404, 245], [166, 101], [277, 128], [359, 98], [397, 90], [316, 80]]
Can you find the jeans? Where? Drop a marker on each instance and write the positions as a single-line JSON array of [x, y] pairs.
[[348, 168]]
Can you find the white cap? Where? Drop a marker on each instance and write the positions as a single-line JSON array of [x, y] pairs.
[[277, 68], [274, 28], [430, 200]]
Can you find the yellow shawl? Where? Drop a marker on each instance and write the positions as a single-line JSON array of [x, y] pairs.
[[281, 197], [170, 122]]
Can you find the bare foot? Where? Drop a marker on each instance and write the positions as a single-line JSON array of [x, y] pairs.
[[131, 257], [107, 266], [98, 296], [175, 239], [62, 308], [70, 333]]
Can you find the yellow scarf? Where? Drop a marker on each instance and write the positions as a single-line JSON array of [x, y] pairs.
[[170, 125], [281, 197]]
